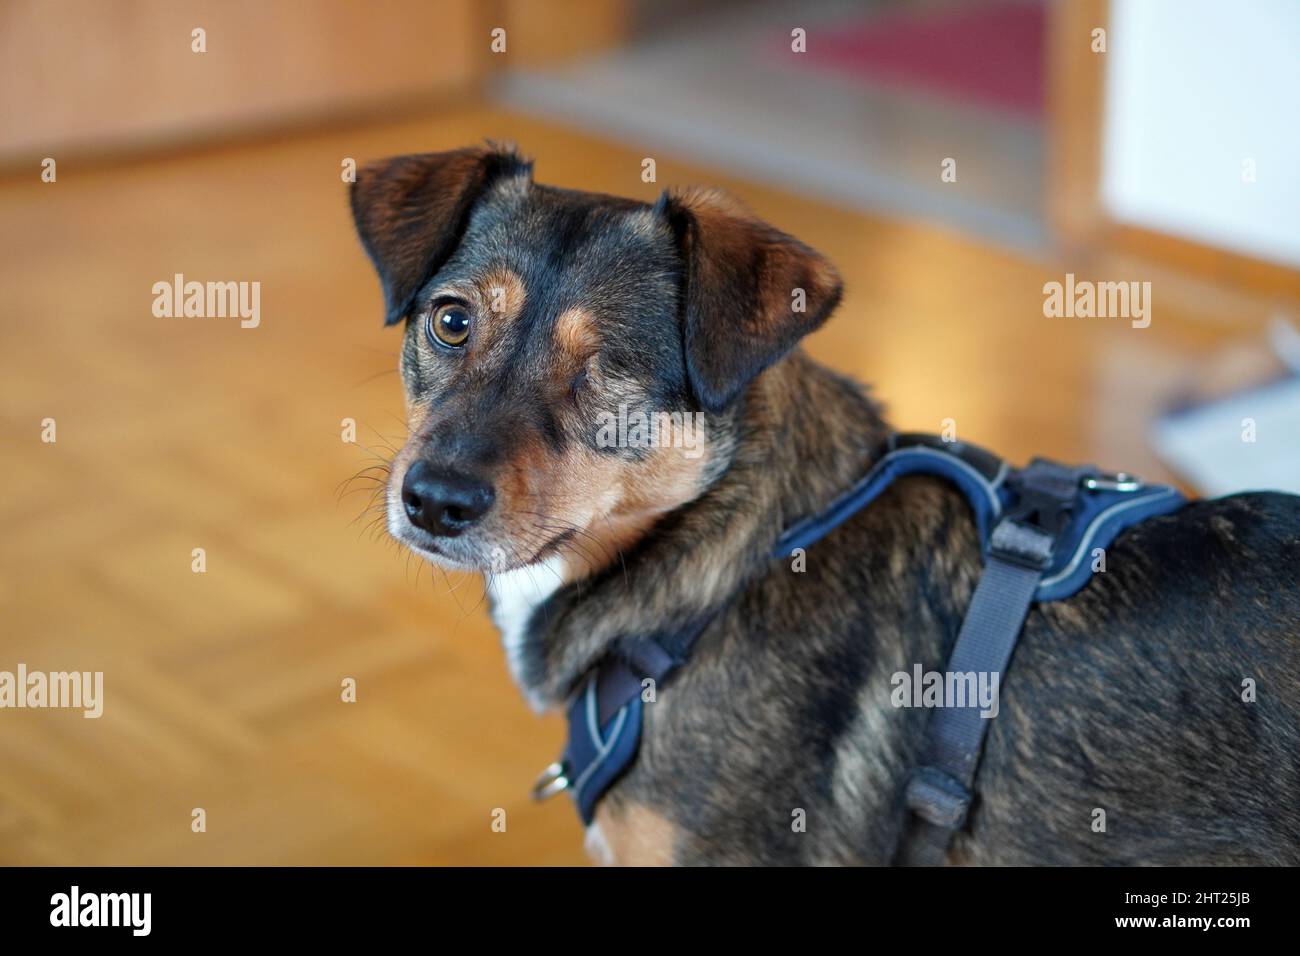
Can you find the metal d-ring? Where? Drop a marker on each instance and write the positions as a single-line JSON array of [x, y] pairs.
[[551, 781], [1119, 481]]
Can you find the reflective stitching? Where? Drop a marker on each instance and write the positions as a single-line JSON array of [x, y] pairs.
[[602, 748], [1090, 534]]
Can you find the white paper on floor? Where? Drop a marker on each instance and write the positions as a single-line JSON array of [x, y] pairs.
[[1249, 441]]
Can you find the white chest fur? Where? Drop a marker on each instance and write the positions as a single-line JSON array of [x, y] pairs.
[[515, 596]]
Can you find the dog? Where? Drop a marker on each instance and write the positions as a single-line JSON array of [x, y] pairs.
[[533, 313]]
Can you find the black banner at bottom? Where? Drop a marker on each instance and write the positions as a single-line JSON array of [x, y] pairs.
[[332, 906]]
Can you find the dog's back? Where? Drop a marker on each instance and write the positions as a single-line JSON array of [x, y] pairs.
[[1152, 718]]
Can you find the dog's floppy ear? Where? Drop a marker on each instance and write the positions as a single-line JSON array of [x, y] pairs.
[[411, 211], [751, 292]]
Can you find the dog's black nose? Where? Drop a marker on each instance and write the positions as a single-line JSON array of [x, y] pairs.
[[443, 503]]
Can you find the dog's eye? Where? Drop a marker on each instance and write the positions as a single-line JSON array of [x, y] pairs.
[[448, 325]]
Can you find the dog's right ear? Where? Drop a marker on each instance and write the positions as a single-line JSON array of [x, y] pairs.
[[411, 212]]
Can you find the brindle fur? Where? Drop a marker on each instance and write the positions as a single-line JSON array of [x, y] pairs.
[[1126, 697]]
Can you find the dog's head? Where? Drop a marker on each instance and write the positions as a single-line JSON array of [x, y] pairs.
[[566, 353]]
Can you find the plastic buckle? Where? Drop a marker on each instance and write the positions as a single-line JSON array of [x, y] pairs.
[[1047, 493]]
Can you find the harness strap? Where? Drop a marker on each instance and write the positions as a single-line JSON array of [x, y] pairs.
[[1036, 527], [939, 792], [605, 716]]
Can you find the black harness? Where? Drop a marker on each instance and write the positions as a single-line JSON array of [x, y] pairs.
[[1038, 526]]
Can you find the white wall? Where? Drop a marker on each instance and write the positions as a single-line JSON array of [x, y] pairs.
[[1193, 89]]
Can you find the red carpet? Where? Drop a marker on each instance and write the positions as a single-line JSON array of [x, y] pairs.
[[987, 54]]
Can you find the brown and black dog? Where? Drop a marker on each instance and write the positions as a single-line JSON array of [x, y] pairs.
[[533, 314]]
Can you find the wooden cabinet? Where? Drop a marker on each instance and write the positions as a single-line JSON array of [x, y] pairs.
[[125, 73]]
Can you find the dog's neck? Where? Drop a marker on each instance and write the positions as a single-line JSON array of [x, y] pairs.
[[802, 435]]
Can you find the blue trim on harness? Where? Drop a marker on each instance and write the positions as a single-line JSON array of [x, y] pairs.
[[1038, 528], [602, 750], [983, 494], [1097, 520]]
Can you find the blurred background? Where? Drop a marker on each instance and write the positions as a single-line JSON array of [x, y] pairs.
[[951, 157]]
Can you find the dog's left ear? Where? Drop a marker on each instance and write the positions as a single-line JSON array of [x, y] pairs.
[[751, 292], [411, 212]]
